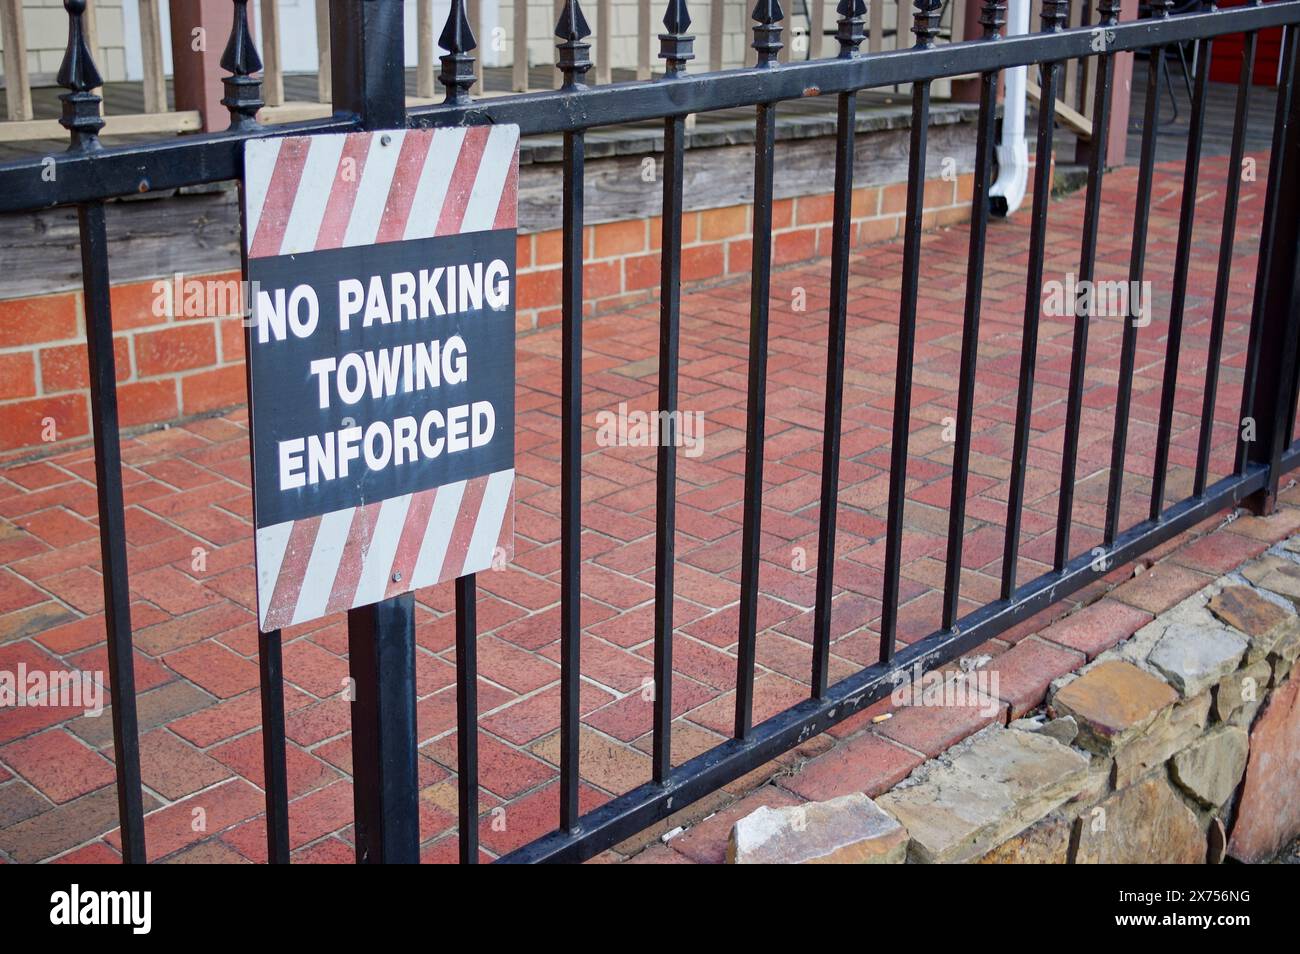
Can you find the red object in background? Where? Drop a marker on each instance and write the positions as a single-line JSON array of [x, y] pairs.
[[1225, 60]]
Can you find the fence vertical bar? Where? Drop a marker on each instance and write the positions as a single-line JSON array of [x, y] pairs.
[[81, 117], [1182, 268], [1272, 350], [1055, 14], [573, 64], [1137, 262], [925, 27], [1108, 11], [676, 48], [271, 688], [767, 44], [367, 72], [467, 717], [243, 99], [992, 17], [1223, 278], [1246, 429], [849, 34], [112, 527]]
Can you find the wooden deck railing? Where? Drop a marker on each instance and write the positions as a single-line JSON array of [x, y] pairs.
[[805, 31], [155, 117]]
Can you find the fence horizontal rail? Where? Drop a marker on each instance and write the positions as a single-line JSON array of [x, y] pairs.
[[214, 157]]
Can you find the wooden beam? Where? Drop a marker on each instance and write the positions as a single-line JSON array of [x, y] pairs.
[[1068, 116], [128, 124], [18, 89]]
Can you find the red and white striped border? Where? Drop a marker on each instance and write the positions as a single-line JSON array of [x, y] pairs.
[[307, 193], [320, 565]]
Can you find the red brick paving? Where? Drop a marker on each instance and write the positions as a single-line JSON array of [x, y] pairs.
[[189, 546]]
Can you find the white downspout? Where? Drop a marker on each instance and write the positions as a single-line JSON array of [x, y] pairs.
[[1008, 190]]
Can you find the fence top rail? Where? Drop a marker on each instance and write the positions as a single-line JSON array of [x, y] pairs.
[[45, 181]]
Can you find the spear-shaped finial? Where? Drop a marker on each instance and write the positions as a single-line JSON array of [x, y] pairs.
[[676, 47], [1109, 11], [243, 90], [1159, 9], [457, 73], [767, 16], [849, 31], [572, 30], [78, 76], [925, 21], [993, 16], [1055, 15]]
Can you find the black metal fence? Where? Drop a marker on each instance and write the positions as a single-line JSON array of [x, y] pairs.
[[368, 93]]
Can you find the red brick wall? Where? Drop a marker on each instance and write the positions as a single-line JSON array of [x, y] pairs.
[[167, 366], [176, 366], [622, 258]]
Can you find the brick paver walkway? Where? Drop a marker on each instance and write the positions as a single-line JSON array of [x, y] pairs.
[[190, 548]]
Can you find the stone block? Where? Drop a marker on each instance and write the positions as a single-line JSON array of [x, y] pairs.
[[1275, 574], [1146, 823], [849, 830], [1194, 658], [1260, 619], [1046, 842], [1268, 811], [983, 792], [1112, 702], [1240, 693], [1210, 768], [1172, 729]]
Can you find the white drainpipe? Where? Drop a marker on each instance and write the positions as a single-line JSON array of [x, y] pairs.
[[1008, 190]]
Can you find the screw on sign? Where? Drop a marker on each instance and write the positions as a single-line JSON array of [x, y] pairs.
[[381, 272]]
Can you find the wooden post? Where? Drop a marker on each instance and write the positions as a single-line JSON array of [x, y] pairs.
[[424, 49], [18, 90], [1120, 93], [966, 26], [557, 78], [876, 22], [787, 33], [155, 84], [604, 40], [817, 30], [272, 70], [643, 34], [519, 63], [474, 10], [717, 31], [199, 30], [323, 80]]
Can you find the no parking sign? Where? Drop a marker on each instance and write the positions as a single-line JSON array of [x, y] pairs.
[[381, 271]]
